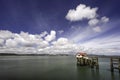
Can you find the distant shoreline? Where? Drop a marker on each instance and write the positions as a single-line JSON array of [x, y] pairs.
[[13, 54], [89, 55]]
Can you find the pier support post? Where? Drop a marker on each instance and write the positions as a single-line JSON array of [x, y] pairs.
[[111, 64], [115, 64], [94, 62], [97, 65], [119, 65]]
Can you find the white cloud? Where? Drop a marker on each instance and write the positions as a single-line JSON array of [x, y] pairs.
[[93, 22], [23, 43], [104, 19], [51, 36], [22, 40], [43, 44], [61, 46], [43, 34], [61, 41], [30, 40], [1, 42], [97, 29], [96, 42], [11, 43], [108, 45], [81, 12], [60, 31], [86, 12], [5, 34]]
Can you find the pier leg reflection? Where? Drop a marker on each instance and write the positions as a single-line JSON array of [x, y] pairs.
[[95, 74], [86, 73], [115, 76], [112, 76]]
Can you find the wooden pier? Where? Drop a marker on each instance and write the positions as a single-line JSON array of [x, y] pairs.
[[84, 60], [115, 64], [92, 62]]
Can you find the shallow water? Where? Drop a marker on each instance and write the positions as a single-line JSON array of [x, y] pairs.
[[52, 68]]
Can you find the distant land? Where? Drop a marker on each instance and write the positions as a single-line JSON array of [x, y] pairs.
[[89, 55], [14, 54]]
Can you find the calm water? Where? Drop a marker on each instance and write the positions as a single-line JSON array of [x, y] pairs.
[[52, 68]]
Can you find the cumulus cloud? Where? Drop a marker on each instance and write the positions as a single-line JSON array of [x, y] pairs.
[[51, 36], [93, 22], [104, 19], [1, 42], [26, 43], [86, 12], [11, 43], [81, 12], [61, 41], [5, 34], [43, 34], [61, 46], [14, 41]]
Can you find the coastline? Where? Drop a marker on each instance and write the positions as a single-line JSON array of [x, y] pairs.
[[89, 55]]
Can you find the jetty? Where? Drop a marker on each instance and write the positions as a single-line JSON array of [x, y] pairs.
[[84, 60]]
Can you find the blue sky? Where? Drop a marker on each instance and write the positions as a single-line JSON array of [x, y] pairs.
[[35, 16], [80, 23]]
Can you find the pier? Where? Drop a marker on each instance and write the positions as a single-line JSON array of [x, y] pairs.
[[91, 62], [84, 60]]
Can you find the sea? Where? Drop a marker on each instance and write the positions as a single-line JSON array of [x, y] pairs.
[[53, 68]]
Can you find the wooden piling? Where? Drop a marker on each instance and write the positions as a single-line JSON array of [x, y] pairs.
[[94, 62], [81, 61], [111, 64], [119, 65], [115, 64]]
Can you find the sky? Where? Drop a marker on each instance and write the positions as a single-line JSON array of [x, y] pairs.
[[60, 26]]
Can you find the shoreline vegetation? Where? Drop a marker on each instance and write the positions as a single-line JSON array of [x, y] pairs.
[[89, 55]]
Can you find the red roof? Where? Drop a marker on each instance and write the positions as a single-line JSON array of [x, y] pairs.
[[82, 54]]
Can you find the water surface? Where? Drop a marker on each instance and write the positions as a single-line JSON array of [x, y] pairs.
[[52, 68]]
